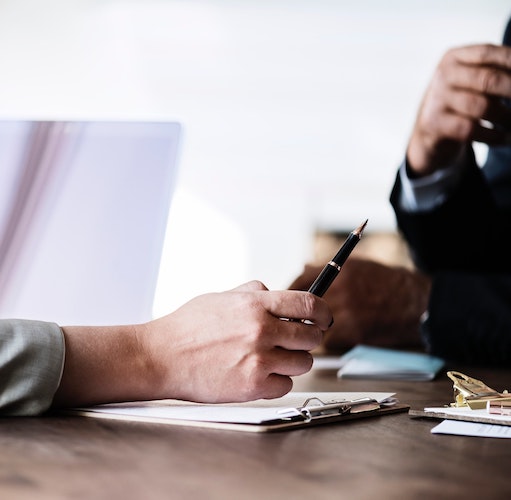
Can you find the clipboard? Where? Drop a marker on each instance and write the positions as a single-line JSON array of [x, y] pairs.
[[259, 416]]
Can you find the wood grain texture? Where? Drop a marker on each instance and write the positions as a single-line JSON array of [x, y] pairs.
[[395, 456]]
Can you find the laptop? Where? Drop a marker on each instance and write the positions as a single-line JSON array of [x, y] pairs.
[[83, 214]]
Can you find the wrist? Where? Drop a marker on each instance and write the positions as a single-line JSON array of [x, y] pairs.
[[150, 362], [425, 157], [104, 365]]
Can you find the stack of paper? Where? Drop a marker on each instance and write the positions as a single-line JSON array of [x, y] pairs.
[[464, 421]]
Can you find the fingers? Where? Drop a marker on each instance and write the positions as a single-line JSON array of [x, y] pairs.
[[294, 335], [291, 363], [485, 80], [298, 305], [283, 346], [463, 103], [476, 78], [483, 54], [233, 346], [272, 378], [276, 386]]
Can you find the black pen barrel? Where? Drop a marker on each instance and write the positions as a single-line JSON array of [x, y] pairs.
[[332, 269], [345, 251], [324, 280]]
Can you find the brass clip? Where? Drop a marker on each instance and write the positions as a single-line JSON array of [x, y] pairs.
[[471, 392]]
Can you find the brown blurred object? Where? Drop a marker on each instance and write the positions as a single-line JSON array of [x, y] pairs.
[[378, 297]]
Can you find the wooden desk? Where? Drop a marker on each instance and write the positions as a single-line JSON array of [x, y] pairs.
[[389, 457]]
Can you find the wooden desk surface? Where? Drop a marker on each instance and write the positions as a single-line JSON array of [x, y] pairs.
[[383, 457]]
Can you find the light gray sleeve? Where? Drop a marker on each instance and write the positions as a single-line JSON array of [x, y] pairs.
[[31, 364]]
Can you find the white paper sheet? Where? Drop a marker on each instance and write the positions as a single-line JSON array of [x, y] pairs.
[[475, 429], [254, 412]]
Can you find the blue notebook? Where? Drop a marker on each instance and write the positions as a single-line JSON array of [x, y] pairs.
[[365, 362]]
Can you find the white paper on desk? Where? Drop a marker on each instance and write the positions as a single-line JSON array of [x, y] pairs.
[[254, 412], [476, 429], [468, 415], [367, 362]]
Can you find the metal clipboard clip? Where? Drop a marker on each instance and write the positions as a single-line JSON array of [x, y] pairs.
[[314, 408], [473, 393]]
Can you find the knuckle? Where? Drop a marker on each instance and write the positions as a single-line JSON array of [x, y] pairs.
[[312, 338], [465, 129], [446, 63], [285, 386], [308, 361], [257, 372], [256, 285], [490, 80], [485, 51], [278, 386], [449, 56], [317, 338], [308, 304], [479, 104], [257, 332]]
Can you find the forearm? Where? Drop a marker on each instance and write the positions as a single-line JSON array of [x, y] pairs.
[[104, 364]]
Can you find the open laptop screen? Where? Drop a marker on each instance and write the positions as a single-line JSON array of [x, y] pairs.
[[83, 214]]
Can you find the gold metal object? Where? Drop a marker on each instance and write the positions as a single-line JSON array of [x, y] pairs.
[[473, 393]]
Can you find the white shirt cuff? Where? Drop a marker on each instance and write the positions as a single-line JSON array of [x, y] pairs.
[[429, 192]]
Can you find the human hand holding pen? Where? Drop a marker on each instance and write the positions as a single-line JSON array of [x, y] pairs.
[[218, 347], [333, 267]]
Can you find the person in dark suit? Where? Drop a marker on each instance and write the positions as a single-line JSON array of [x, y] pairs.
[[456, 215]]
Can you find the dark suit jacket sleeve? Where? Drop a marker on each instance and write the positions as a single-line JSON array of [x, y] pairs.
[[458, 234], [469, 318], [463, 245]]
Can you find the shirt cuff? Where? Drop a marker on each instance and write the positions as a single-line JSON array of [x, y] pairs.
[[31, 365], [426, 193]]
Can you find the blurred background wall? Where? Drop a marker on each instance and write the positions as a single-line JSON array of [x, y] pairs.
[[296, 113]]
